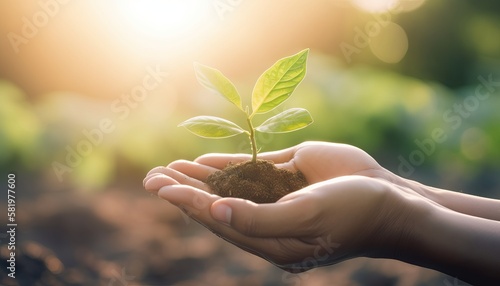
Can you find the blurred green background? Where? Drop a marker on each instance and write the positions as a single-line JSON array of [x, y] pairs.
[[91, 94]]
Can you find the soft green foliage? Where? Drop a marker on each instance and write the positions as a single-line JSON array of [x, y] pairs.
[[273, 87], [212, 127], [277, 83], [214, 80], [287, 121]]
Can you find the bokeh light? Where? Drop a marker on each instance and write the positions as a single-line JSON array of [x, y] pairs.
[[391, 43]]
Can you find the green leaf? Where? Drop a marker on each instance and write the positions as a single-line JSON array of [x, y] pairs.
[[212, 127], [215, 81], [277, 83], [287, 121]]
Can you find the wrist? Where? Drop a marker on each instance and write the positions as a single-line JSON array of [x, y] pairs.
[[430, 193], [403, 215], [457, 244], [457, 201]]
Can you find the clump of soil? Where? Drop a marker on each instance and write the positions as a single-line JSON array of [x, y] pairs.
[[260, 182]]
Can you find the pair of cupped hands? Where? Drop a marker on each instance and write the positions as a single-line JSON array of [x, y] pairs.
[[352, 207]]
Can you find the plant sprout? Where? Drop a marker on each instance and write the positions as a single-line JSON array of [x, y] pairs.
[[272, 88]]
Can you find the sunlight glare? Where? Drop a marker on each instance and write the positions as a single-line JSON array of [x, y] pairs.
[[375, 6], [166, 19]]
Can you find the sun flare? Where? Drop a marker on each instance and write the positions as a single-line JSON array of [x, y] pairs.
[[165, 19], [382, 6]]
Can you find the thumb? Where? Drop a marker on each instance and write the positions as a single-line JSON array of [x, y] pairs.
[[293, 218]]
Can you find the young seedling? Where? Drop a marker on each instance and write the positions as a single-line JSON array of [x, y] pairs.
[[272, 88]]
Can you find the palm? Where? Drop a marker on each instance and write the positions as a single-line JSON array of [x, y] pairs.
[[320, 161]]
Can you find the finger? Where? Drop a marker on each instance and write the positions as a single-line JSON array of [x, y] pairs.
[[220, 161], [193, 169], [151, 175], [155, 170], [180, 177], [290, 166], [197, 205], [280, 156], [193, 201], [291, 218], [155, 181]]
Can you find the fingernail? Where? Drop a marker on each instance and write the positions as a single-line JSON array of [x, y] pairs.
[[222, 213]]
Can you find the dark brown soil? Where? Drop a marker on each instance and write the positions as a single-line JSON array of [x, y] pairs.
[[259, 182]]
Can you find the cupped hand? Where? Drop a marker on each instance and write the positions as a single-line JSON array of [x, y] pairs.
[[318, 161], [349, 209]]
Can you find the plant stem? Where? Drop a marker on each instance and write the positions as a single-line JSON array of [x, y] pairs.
[[253, 142]]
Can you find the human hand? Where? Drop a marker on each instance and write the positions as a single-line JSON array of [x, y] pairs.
[[350, 208], [318, 161]]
